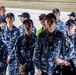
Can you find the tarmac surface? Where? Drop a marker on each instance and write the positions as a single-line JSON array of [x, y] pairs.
[[34, 16]]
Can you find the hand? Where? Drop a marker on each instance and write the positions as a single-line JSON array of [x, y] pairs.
[[23, 73], [66, 63], [38, 72], [8, 59], [22, 70], [58, 61], [61, 61]]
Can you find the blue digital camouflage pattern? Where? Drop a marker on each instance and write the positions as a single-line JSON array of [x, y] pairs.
[[48, 47], [73, 40], [25, 48], [61, 26], [9, 37], [3, 58]]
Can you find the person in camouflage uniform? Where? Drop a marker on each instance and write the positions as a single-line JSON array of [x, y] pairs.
[[9, 36], [48, 48], [25, 16], [3, 58], [25, 48], [60, 25], [72, 35]]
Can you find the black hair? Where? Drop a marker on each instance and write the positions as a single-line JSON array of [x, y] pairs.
[[31, 22]]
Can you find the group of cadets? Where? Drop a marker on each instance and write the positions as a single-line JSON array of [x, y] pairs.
[[27, 51]]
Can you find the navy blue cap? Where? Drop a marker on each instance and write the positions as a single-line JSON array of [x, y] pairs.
[[51, 16], [42, 16], [10, 15], [71, 22], [2, 19], [72, 14], [25, 14]]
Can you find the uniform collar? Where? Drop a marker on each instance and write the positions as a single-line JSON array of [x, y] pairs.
[[49, 34], [72, 36], [6, 28]]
